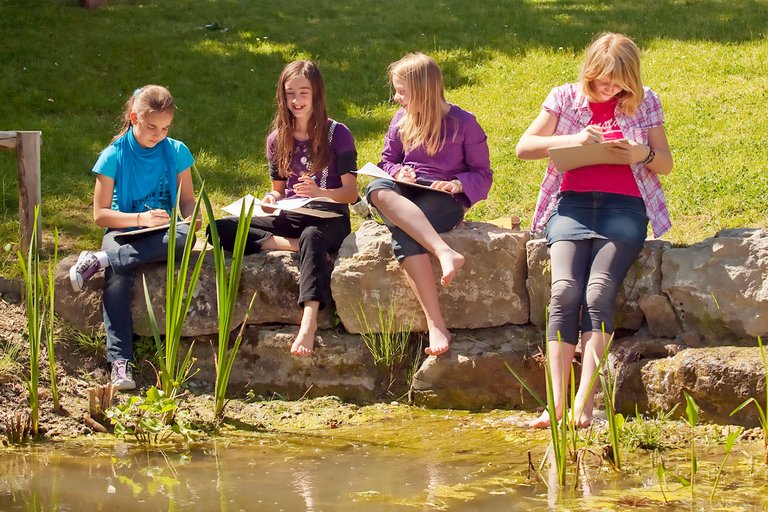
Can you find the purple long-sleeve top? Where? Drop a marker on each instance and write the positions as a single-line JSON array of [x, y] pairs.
[[464, 156]]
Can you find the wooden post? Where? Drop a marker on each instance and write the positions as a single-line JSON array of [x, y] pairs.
[[27, 146]]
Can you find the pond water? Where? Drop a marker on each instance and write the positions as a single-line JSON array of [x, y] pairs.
[[421, 460]]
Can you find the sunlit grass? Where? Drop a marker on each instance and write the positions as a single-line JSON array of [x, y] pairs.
[[67, 71]]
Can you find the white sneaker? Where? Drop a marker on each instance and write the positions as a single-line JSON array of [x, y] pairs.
[[122, 375], [87, 265], [361, 208]]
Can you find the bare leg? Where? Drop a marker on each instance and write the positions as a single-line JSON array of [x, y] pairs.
[[594, 345], [280, 243], [305, 339], [418, 270], [409, 217], [560, 359]]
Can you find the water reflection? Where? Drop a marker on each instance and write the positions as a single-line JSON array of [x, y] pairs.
[[467, 469]]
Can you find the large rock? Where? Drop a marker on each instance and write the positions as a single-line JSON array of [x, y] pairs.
[[643, 279], [626, 361], [488, 291], [717, 378], [341, 366], [719, 287], [273, 276], [473, 375]]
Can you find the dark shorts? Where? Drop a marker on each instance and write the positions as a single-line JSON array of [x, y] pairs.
[[589, 215], [443, 211]]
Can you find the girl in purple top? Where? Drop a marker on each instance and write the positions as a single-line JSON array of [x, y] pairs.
[[430, 142], [309, 155], [596, 217]]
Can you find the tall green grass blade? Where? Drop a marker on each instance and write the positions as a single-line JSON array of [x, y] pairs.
[[50, 335], [730, 440], [35, 308], [692, 414], [227, 288], [179, 294]]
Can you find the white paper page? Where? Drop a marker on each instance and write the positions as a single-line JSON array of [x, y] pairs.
[[370, 169], [234, 208]]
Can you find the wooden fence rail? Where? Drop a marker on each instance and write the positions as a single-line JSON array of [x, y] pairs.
[[27, 147]]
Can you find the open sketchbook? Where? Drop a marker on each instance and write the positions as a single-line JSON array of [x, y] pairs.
[[370, 169], [144, 231], [297, 205], [573, 157]]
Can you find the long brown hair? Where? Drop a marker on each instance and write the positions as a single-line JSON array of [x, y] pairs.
[[421, 126], [615, 57], [145, 100], [284, 121]]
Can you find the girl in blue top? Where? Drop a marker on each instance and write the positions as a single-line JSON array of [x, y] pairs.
[[137, 178]]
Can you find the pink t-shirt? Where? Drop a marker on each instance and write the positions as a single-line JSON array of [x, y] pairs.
[[614, 179]]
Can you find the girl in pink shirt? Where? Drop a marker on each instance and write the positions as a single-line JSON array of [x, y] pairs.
[[595, 218]]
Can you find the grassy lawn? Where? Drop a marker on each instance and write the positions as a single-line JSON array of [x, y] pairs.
[[66, 71]]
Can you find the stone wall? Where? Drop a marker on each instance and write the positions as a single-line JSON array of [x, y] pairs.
[[675, 306]]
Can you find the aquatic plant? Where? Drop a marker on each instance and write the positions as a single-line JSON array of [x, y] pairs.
[[40, 312], [386, 340], [50, 306], [608, 385], [730, 439], [227, 287], [760, 411], [146, 419], [692, 417], [661, 474], [647, 433], [173, 372], [558, 430]]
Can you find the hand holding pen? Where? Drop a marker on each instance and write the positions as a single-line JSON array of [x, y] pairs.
[[407, 174], [152, 217], [306, 187]]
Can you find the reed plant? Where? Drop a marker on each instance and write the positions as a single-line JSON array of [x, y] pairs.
[[558, 430], [179, 291], [227, 287], [608, 385], [692, 417], [50, 295], [39, 295], [760, 411], [386, 340], [730, 440]]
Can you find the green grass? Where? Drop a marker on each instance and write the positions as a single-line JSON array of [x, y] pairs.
[[67, 71]]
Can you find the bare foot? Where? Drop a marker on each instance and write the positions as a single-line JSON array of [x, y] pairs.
[[304, 343], [439, 341], [450, 262], [541, 422], [584, 420]]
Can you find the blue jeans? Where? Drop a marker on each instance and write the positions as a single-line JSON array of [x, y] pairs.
[[441, 210], [118, 282]]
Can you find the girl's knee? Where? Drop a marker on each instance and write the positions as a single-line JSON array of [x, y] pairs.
[[566, 292]]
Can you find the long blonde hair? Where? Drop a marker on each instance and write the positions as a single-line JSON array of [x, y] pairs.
[[145, 100], [615, 57], [284, 121], [421, 126]]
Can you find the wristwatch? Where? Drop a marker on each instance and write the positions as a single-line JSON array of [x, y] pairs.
[[458, 184]]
